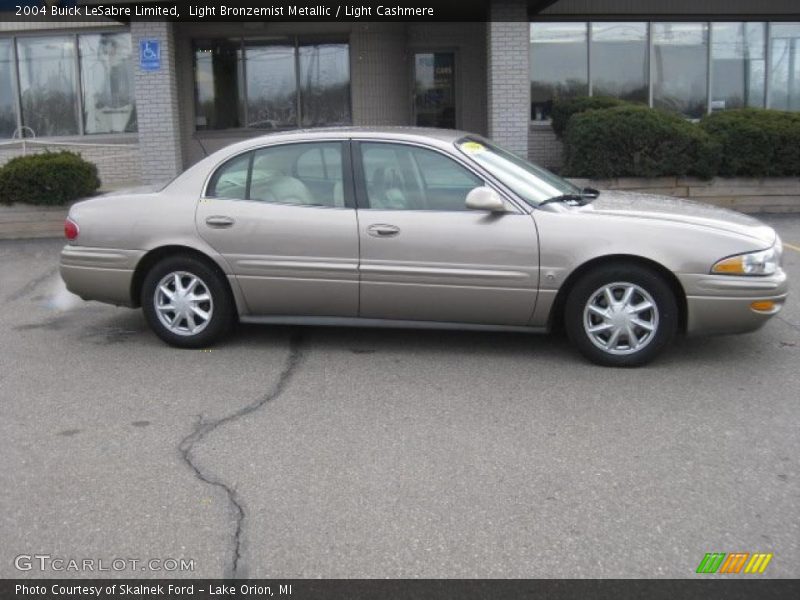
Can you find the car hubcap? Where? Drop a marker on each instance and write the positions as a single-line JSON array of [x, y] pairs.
[[620, 318], [183, 303]]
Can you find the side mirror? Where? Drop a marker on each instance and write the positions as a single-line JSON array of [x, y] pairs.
[[485, 198]]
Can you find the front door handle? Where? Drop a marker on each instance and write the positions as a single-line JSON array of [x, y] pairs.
[[219, 221], [383, 230]]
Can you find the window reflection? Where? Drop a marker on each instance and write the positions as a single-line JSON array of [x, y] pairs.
[[680, 61], [619, 60], [107, 78], [558, 63], [47, 85], [271, 86], [785, 66], [325, 84], [737, 65], [218, 83], [271, 83], [8, 117]]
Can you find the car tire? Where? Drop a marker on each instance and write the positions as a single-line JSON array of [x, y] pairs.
[[621, 315], [186, 302]]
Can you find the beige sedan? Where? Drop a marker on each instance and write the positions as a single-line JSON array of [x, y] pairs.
[[419, 228]]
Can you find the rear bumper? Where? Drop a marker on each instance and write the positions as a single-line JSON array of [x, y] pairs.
[[100, 274], [722, 304]]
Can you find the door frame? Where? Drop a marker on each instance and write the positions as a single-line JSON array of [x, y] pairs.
[[456, 79]]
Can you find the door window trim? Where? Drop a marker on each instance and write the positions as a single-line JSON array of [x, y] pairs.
[[348, 187], [362, 198]]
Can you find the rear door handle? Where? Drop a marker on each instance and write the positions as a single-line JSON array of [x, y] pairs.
[[219, 221], [383, 230]]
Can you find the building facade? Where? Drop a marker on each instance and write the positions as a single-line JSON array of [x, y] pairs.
[[146, 99]]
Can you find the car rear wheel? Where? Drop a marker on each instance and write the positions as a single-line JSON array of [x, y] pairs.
[[186, 302], [621, 315]]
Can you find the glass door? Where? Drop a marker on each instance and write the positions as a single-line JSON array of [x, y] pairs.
[[434, 89]]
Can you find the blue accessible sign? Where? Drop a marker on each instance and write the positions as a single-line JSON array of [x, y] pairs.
[[149, 55]]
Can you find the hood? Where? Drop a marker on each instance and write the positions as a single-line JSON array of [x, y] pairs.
[[678, 210]]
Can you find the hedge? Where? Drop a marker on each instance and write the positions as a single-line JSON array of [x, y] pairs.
[[756, 142], [49, 178], [636, 141], [564, 109]]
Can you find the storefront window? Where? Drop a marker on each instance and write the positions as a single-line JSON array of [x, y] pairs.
[[619, 60], [325, 84], [271, 84], [107, 83], [737, 65], [218, 84], [667, 64], [784, 69], [559, 64], [680, 63], [8, 112], [48, 88]]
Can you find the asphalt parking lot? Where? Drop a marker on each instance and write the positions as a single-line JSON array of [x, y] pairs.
[[313, 452]]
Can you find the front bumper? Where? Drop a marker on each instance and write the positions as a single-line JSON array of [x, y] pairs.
[[100, 274], [722, 303]]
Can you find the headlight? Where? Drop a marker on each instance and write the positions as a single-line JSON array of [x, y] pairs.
[[764, 262]]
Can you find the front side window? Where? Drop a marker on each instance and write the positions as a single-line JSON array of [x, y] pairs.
[[48, 88], [271, 84], [107, 83], [402, 177], [8, 113]]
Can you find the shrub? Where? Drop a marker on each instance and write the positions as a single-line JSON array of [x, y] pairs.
[[564, 109], [50, 178], [636, 141], [756, 142]]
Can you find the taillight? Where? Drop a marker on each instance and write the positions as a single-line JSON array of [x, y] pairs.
[[71, 230]]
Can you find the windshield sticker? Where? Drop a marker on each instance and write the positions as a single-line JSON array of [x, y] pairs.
[[473, 147]]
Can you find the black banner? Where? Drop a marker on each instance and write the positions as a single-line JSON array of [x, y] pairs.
[[245, 10], [399, 589]]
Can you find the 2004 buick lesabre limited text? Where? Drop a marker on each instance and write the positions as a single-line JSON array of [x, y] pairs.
[[419, 228]]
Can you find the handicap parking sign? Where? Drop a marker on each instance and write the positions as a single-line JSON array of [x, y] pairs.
[[149, 55]]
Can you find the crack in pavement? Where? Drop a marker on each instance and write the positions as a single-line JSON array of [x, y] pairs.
[[203, 428], [31, 285]]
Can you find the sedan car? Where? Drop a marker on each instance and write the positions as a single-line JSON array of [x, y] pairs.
[[419, 228]]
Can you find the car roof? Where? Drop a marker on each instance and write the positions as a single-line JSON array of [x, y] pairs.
[[393, 132]]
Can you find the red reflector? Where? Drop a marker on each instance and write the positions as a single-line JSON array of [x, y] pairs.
[[71, 229]]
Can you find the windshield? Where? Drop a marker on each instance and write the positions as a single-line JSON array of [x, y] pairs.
[[533, 184]]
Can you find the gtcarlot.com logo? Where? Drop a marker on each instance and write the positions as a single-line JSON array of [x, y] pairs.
[[732, 563], [46, 562]]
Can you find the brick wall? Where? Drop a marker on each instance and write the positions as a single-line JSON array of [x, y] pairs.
[[544, 148], [117, 157], [508, 85], [379, 77], [157, 105]]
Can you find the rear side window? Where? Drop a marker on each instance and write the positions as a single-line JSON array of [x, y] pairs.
[[230, 180]]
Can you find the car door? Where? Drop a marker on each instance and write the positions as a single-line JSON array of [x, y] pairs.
[[283, 217], [424, 256]]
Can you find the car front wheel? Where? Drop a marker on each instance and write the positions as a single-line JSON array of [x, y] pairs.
[[621, 315], [186, 303]]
